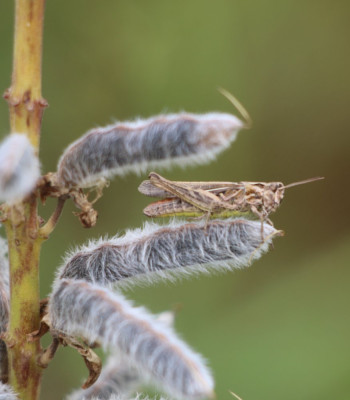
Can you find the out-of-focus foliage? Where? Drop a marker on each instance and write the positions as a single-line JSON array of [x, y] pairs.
[[280, 329]]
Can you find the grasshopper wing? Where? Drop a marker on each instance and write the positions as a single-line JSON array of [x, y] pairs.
[[202, 199]]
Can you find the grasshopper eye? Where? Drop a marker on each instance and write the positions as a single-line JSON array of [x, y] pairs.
[[275, 186], [279, 193]]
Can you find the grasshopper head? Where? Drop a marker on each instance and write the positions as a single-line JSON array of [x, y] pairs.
[[273, 195]]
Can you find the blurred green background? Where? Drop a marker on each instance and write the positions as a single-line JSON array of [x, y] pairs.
[[279, 329]]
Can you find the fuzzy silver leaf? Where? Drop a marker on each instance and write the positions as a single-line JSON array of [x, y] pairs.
[[166, 252], [161, 141], [79, 308]]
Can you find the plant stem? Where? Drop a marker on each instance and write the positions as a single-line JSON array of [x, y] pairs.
[[24, 250], [24, 96], [26, 108]]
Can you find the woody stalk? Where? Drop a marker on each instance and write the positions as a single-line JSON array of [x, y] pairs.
[[26, 107]]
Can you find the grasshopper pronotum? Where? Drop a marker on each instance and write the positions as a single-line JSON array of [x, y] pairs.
[[214, 199]]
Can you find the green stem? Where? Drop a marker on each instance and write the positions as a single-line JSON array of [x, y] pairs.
[[24, 250], [26, 108], [24, 96]]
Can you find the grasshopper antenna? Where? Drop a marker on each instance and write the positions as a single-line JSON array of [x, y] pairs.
[[235, 396], [238, 106], [318, 178]]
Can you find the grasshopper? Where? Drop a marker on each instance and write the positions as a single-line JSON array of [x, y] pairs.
[[214, 199]]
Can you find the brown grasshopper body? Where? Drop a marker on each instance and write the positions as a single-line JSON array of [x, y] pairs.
[[213, 199]]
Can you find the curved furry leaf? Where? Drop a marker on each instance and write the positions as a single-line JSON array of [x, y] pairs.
[[166, 252], [164, 140], [119, 376], [79, 308], [19, 167], [6, 392]]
